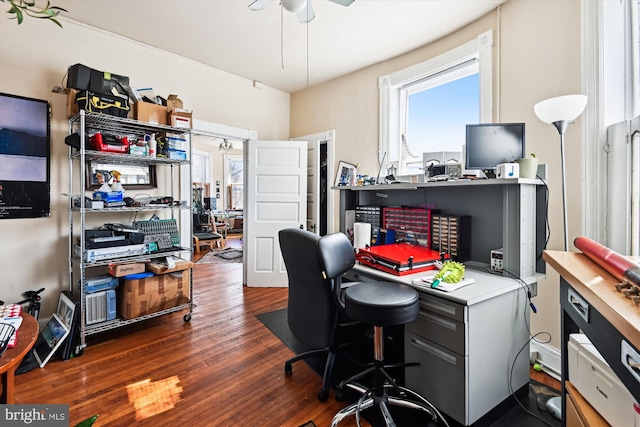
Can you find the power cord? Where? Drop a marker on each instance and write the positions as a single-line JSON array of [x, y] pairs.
[[546, 217], [511, 376]]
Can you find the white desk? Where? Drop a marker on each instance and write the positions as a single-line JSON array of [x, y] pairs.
[[466, 342]]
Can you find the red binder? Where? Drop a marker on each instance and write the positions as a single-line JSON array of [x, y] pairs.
[[400, 258]]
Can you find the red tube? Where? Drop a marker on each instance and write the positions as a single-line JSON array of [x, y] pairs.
[[619, 266]]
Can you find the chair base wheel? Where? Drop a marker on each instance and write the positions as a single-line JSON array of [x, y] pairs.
[[323, 395], [288, 369]]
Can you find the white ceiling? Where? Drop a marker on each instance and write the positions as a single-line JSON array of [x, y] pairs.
[[270, 46]]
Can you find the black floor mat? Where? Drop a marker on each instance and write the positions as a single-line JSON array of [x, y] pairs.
[[512, 415]]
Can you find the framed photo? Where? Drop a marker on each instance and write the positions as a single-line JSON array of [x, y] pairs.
[[66, 310], [50, 339], [345, 174], [24, 157]]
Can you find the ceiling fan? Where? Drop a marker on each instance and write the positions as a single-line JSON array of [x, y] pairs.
[[302, 8]]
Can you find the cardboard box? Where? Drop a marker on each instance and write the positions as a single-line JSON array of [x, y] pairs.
[[72, 105], [160, 266], [152, 113], [174, 102], [119, 270], [138, 297], [180, 118]]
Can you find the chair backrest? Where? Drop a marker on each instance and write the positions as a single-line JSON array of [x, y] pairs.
[[311, 310], [336, 254]]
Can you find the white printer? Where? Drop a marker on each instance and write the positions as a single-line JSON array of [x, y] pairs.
[[599, 385]]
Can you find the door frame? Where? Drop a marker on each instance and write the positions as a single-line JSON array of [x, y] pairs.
[[327, 138]]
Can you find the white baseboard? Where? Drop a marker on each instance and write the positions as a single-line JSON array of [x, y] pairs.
[[548, 357]]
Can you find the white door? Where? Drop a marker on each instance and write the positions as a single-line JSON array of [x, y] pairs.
[[275, 198]]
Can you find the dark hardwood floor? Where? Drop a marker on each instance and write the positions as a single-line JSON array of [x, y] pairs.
[[224, 368]]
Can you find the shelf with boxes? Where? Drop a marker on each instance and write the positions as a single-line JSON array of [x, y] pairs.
[[113, 251]]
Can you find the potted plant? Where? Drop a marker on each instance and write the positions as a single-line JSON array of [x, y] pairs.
[[20, 8], [528, 166]]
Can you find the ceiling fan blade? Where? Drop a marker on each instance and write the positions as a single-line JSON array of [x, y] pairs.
[[342, 2], [259, 4], [307, 14]]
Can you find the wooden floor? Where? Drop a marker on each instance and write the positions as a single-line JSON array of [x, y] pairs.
[[224, 368]]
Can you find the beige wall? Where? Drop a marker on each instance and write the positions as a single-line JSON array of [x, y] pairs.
[[34, 57], [536, 56]]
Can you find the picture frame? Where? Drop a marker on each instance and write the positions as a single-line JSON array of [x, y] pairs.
[[345, 174], [66, 309], [50, 338]]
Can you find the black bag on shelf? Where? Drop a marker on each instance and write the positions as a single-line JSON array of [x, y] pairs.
[[103, 103]]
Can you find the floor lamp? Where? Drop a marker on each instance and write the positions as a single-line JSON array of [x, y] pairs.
[[560, 112]]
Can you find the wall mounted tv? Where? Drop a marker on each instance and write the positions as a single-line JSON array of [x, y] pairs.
[[24, 157], [489, 144]]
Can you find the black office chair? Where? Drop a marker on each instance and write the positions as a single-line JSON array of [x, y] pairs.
[[378, 304], [313, 313], [208, 236]]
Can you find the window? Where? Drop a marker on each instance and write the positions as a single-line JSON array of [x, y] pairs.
[[612, 123], [235, 183], [200, 167], [425, 108]]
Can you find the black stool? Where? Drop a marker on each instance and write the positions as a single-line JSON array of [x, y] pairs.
[[382, 304]]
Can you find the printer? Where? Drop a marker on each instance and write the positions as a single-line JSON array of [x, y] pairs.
[[598, 384]]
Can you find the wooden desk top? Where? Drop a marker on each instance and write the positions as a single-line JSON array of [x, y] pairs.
[[27, 335], [597, 286]]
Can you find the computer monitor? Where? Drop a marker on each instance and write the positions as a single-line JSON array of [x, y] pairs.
[[489, 144]]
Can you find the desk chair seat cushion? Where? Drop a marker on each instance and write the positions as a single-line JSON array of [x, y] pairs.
[[382, 303], [206, 235]]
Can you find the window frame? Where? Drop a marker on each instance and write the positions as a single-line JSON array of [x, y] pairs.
[[393, 92], [597, 119], [228, 158]]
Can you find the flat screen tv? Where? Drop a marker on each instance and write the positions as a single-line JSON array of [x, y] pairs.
[[489, 144], [24, 157]]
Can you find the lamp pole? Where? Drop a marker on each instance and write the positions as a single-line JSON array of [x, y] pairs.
[[562, 125]]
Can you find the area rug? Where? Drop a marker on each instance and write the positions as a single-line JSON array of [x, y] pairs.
[[515, 415], [220, 256]]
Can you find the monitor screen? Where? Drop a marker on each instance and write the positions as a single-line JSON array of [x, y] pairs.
[[488, 145]]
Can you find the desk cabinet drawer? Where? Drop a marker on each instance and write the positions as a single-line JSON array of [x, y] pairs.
[[440, 378], [438, 321]]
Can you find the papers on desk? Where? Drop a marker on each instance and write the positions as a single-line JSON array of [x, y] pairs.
[[15, 322], [12, 314], [427, 282]]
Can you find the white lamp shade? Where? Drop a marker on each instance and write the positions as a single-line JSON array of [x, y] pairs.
[[294, 6], [561, 108]]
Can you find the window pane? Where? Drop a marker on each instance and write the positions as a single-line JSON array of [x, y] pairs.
[[436, 118], [198, 168], [237, 196], [236, 171]]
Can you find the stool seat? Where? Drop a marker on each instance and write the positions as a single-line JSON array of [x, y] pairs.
[[382, 303]]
